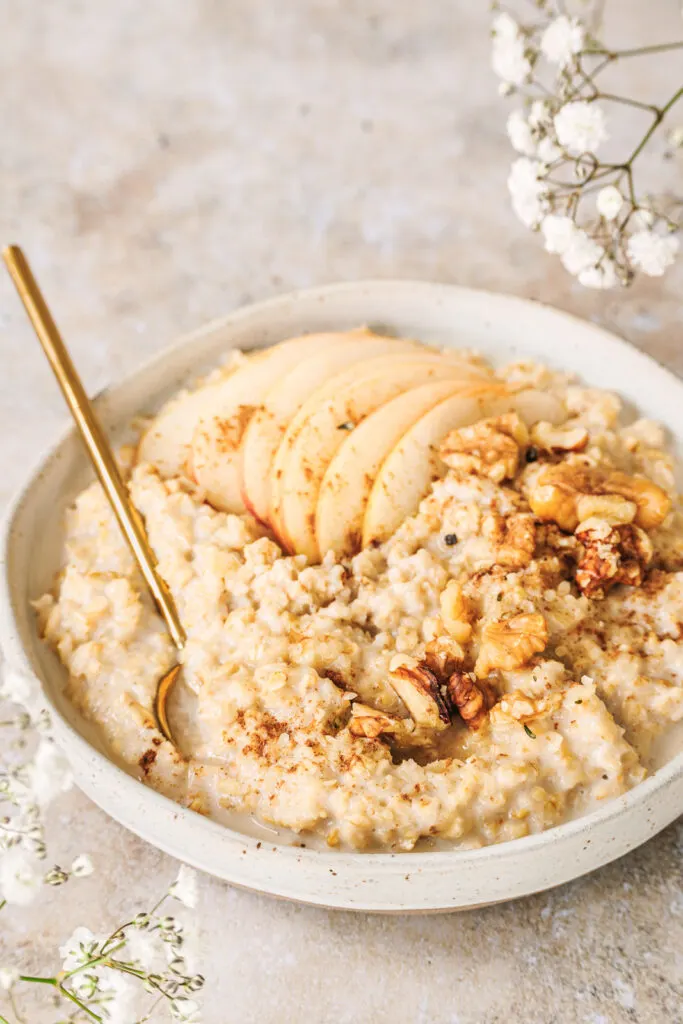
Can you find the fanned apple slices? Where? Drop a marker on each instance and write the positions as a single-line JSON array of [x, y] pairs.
[[330, 439], [322, 426], [268, 424]]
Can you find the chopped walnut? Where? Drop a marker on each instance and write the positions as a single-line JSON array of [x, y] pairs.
[[556, 493], [611, 554], [510, 643], [473, 699], [490, 448], [371, 723], [418, 688], [611, 507], [456, 612], [513, 538], [443, 655], [559, 439]]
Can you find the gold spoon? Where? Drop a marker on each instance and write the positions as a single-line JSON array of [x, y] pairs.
[[103, 460]]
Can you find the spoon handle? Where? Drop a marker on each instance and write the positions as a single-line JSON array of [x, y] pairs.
[[98, 447]]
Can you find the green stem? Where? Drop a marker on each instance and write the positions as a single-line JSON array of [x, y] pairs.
[[635, 52], [627, 101], [3, 1020], [3, 903], [658, 118], [81, 1005]]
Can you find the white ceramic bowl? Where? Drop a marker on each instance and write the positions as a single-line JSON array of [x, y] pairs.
[[501, 327]]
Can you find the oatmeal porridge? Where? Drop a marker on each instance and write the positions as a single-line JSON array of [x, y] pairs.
[[447, 601]]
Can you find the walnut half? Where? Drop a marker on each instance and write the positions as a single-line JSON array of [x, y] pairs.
[[371, 723], [473, 698], [489, 448], [611, 554], [556, 494], [510, 643], [418, 688]]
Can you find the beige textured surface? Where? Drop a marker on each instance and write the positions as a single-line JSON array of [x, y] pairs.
[[164, 162]]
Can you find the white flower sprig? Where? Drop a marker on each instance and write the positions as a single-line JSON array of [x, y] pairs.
[[106, 978], [591, 213], [102, 978], [33, 773]]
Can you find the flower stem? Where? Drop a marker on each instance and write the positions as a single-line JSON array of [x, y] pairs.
[[657, 120], [81, 1005], [3, 903], [637, 51]]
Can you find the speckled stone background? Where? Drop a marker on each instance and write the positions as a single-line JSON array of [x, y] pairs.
[[166, 161]]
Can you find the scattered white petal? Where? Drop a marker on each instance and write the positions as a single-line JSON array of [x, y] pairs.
[[581, 126], [82, 866], [185, 887], [609, 202], [527, 190], [508, 58], [603, 276], [558, 233], [20, 876], [675, 137], [9, 976], [519, 133], [50, 773], [652, 253], [562, 39], [78, 948]]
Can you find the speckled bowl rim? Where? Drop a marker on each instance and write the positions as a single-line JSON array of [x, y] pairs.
[[382, 882]]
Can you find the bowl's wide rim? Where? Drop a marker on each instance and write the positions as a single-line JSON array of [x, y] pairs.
[[425, 863]]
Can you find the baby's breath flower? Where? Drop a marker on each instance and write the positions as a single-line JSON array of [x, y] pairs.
[[509, 58], [527, 190], [82, 866], [78, 948], [548, 150], [582, 253], [20, 878], [19, 688], [185, 887], [603, 276], [675, 137], [581, 127], [9, 976], [520, 134], [652, 253], [609, 202], [562, 39], [186, 1010], [117, 997], [50, 773], [558, 233], [145, 948]]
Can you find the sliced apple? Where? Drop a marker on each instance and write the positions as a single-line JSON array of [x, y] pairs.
[[410, 469], [267, 426], [167, 442], [320, 428], [216, 440], [351, 473]]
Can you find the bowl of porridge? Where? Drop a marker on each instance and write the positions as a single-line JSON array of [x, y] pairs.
[[427, 547]]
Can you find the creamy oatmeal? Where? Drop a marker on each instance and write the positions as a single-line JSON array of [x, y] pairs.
[[503, 661]]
